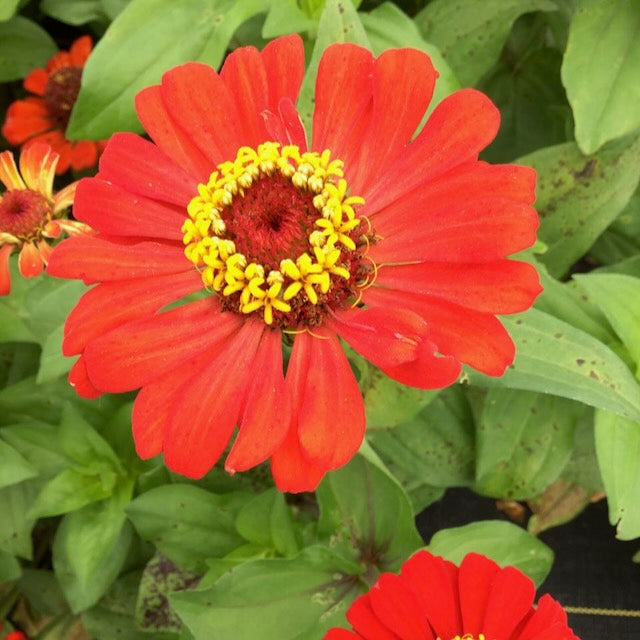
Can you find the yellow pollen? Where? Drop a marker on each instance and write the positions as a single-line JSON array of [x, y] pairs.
[[228, 272], [467, 636]]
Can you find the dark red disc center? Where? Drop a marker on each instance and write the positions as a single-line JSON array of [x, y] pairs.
[[61, 93], [23, 213]]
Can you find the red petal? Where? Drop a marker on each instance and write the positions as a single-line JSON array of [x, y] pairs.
[[397, 608], [59, 61], [25, 119], [140, 167], [501, 286], [331, 419], [342, 634], [5, 273], [510, 600], [110, 208], [548, 616], [112, 304], [244, 75], [155, 401], [95, 259], [79, 380], [84, 154], [475, 577], [402, 86], [284, 63], [56, 140], [169, 136], [343, 96], [475, 338], [461, 126], [434, 583], [138, 352], [36, 81], [80, 50], [291, 470], [29, 261], [266, 414], [199, 101], [202, 421], [365, 621]]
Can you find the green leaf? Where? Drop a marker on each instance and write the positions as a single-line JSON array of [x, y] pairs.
[[145, 40], [285, 16], [15, 525], [389, 403], [186, 523], [7, 9], [24, 45], [387, 27], [471, 39], [524, 440], [72, 489], [578, 196], [161, 577], [601, 65], [618, 296], [339, 22], [13, 467], [288, 599], [533, 107], [113, 617], [17, 361], [52, 363], [90, 548], [9, 567], [432, 451], [582, 368], [75, 12], [266, 521], [369, 511], [42, 590], [618, 449], [503, 542]]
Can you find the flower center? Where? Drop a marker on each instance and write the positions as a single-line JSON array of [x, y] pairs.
[[274, 232], [61, 93], [24, 213]]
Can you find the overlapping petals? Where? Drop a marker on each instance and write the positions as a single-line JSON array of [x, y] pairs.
[[433, 599], [443, 226]]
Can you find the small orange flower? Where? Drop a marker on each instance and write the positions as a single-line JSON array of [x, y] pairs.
[[30, 214], [44, 117]]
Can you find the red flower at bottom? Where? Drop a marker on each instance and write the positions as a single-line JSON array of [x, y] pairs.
[[44, 116], [433, 599]]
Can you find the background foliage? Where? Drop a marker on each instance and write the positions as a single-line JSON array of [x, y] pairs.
[[96, 543]]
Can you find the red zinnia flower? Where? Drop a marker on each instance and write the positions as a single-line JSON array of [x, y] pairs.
[[433, 599], [16, 635], [397, 247], [30, 214], [45, 118]]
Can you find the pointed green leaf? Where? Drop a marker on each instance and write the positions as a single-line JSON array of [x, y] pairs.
[[618, 449], [600, 69], [145, 40], [90, 548], [554, 357], [369, 511], [579, 196], [24, 45], [9, 567], [75, 12], [15, 524], [619, 298], [501, 541], [186, 523], [283, 599], [18, 360], [524, 440], [471, 37], [13, 467]]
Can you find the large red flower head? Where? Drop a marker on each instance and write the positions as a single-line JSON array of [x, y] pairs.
[[44, 116], [31, 215], [432, 599], [397, 246]]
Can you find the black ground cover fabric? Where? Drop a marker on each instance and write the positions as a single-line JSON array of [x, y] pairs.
[[593, 574]]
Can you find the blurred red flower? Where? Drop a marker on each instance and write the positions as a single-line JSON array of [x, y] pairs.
[[398, 246], [433, 599], [44, 116]]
